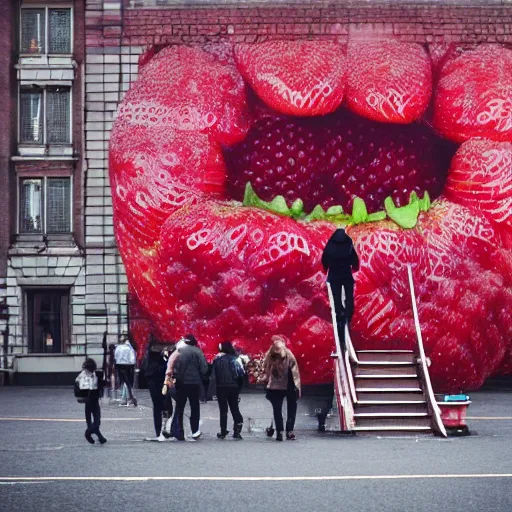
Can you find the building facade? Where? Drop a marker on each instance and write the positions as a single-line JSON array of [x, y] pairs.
[[65, 66], [61, 280]]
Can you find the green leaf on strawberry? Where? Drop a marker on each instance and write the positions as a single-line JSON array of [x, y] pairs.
[[406, 216]]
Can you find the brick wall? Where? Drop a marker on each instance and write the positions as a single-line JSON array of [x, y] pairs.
[[422, 21]]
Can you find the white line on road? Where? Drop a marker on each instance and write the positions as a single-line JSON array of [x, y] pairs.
[[24, 483], [243, 478], [67, 420], [489, 417]]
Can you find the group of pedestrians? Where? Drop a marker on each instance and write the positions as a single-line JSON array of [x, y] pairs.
[[182, 374], [179, 373]]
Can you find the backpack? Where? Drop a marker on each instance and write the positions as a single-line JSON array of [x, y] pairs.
[[81, 395]]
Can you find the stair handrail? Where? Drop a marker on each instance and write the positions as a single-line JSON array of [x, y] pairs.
[[350, 347], [345, 369], [431, 401], [349, 353]]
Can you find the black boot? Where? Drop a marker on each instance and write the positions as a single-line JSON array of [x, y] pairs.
[[88, 436], [279, 436], [222, 434], [237, 430], [101, 439]]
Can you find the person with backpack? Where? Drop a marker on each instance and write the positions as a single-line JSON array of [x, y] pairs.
[[125, 359], [228, 375], [339, 260], [190, 370], [282, 377], [88, 392]]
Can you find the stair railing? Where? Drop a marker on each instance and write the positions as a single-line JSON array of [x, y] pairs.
[[431, 401], [343, 374], [350, 346]]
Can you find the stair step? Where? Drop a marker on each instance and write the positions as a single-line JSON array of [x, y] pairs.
[[383, 358], [393, 432], [394, 423], [397, 415], [387, 371], [410, 409], [395, 397], [385, 352], [387, 390], [388, 383]]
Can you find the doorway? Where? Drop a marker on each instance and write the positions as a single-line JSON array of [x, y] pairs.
[[48, 320]]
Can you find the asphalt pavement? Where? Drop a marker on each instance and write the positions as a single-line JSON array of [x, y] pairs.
[[46, 464]]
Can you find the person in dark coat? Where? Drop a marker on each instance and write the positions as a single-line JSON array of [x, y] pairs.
[[190, 371], [155, 365], [228, 374], [339, 260]]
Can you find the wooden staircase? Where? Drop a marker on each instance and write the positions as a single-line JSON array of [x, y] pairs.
[[389, 393]]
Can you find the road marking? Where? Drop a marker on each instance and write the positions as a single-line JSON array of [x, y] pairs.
[[23, 483], [243, 478], [66, 420], [489, 417]]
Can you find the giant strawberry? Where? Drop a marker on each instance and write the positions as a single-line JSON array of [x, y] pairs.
[[193, 139], [481, 177], [462, 294], [474, 95]]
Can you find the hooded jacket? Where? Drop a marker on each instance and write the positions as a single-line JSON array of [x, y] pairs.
[[227, 371], [339, 257]]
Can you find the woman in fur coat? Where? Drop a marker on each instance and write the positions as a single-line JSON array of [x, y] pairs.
[[281, 374]]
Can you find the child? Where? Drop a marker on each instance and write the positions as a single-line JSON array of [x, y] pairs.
[[86, 385]]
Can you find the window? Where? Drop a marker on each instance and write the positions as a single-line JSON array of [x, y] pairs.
[[45, 115], [45, 30], [48, 320], [45, 205]]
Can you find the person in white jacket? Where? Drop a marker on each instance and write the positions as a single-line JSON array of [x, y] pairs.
[[125, 358]]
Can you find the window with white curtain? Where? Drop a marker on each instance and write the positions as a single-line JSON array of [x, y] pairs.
[[45, 115], [45, 205], [46, 30]]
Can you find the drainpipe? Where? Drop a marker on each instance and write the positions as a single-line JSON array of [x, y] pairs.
[[5, 344]]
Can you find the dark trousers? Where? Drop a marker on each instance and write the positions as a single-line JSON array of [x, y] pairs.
[[93, 414], [167, 413], [343, 314], [348, 285], [155, 391], [228, 397], [191, 393], [324, 411], [125, 377], [276, 398]]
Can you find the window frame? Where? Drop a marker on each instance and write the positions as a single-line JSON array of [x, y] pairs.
[[44, 178], [47, 8], [44, 89], [66, 330]]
